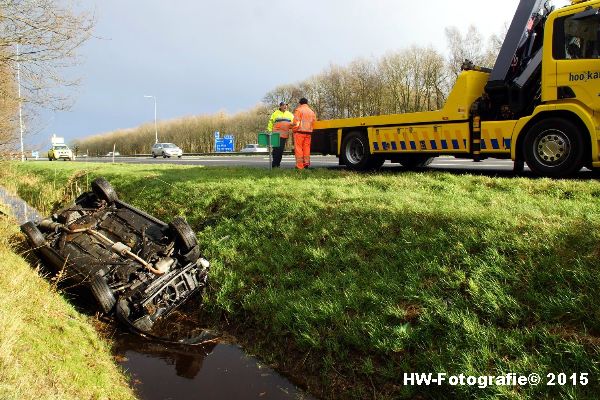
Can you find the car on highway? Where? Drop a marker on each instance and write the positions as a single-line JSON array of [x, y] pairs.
[[166, 150], [254, 148], [133, 264], [110, 154], [60, 152]]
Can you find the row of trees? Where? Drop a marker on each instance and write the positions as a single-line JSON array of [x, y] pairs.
[[193, 134], [39, 38], [408, 80]]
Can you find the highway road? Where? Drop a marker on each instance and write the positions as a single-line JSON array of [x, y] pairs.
[[491, 167]]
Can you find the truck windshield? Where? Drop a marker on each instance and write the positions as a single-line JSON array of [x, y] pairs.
[[61, 148]]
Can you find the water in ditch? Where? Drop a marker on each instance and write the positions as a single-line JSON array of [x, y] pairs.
[[159, 371]]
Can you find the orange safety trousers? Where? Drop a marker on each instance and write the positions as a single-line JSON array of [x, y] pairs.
[[302, 149]]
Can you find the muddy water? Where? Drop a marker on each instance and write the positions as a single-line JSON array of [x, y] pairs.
[[215, 372], [175, 372], [19, 209]]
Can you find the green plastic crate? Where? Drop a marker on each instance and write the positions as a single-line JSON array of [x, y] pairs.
[[263, 139]]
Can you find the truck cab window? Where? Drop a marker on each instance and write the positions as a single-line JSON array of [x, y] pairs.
[[577, 37]]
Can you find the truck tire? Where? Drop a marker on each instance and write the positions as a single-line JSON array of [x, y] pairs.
[[183, 234], [104, 190], [554, 147], [34, 235], [355, 152], [102, 293], [415, 161]]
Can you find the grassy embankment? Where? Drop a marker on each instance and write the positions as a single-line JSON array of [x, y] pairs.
[[346, 281], [47, 349]]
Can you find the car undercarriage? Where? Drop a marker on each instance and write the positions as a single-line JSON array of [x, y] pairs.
[[135, 266]]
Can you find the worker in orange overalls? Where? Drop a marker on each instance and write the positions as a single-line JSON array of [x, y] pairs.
[[304, 118], [280, 122]]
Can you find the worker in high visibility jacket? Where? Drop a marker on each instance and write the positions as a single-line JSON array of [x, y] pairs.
[[280, 122], [304, 118]]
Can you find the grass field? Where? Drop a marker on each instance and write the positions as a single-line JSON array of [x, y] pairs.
[[347, 281], [47, 349]]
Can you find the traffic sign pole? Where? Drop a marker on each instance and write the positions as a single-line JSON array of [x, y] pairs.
[[270, 152]]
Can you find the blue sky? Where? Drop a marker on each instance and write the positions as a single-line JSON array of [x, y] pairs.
[[200, 57]]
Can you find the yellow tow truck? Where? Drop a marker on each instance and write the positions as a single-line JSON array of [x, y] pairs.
[[539, 105]]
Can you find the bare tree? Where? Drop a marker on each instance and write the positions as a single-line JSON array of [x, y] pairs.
[[40, 38]]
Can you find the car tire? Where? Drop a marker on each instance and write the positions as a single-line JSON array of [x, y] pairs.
[[102, 293], [34, 236], [154, 155], [104, 190], [554, 147], [183, 234], [164, 155], [178, 156]]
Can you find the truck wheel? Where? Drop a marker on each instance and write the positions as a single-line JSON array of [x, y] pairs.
[[104, 190], [102, 293], [355, 152], [554, 147], [183, 233], [34, 235], [415, 161]]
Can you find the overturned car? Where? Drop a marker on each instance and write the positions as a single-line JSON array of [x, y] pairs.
[[135, 265]]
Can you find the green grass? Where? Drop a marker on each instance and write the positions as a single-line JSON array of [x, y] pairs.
[[47, 349], [346, 281]]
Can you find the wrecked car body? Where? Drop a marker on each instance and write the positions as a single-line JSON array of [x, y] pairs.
[[134, 265]]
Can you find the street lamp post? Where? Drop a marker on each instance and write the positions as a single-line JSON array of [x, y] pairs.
[[155, 126], [20, 101]]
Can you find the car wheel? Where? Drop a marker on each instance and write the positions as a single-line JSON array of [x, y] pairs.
[[183, 233], [104, 190], [554, 147], [102, 293], [153, 155], [178, 156], [164, 155], [415, 161], [34, 235]]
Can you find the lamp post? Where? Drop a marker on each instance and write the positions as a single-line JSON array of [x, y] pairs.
[[155, 126], [20, 102]]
